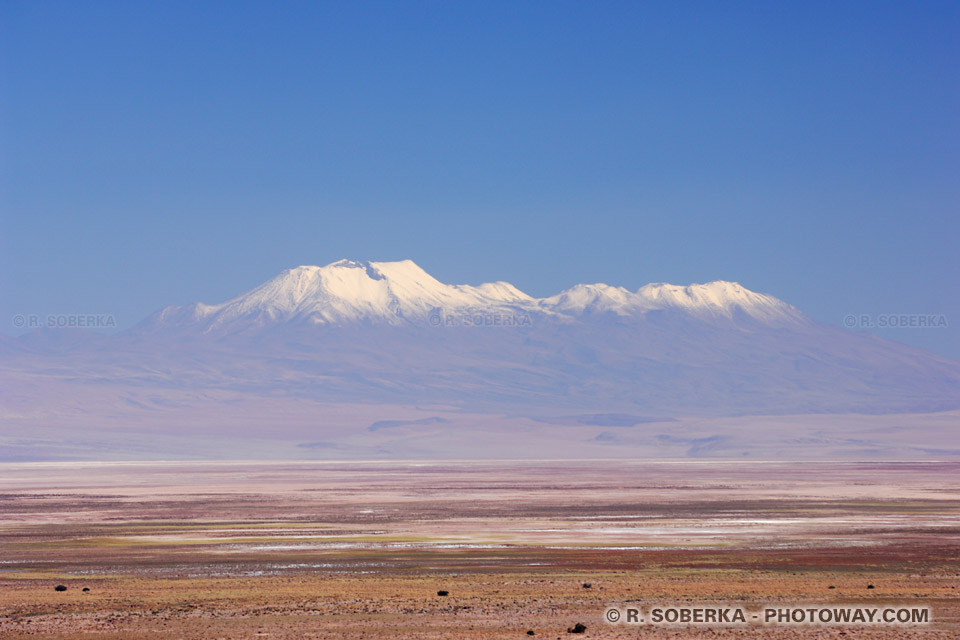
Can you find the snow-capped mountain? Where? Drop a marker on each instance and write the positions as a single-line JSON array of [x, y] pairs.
[[348, 291], [380, 359], [400, 293], [714, 299]]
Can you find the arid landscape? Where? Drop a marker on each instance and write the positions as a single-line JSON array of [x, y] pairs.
[[361, 550], [479, 320]]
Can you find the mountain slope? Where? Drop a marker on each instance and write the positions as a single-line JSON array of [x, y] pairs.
[[323, 354], [401, 293]]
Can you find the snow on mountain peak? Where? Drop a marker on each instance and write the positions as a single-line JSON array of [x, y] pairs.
[[713, 299], [591, 298], [399, 292], [719, 298]]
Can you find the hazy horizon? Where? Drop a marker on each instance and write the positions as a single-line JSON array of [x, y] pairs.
[[484, 319], [157, 155]]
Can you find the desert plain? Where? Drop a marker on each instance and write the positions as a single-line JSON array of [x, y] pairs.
[[363, 549]]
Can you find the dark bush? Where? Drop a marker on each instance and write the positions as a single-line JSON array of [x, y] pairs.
[[577, 628], [59, 587], [443, 593]]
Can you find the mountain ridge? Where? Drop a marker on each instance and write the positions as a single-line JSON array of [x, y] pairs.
[[399, 292], [374, 360]]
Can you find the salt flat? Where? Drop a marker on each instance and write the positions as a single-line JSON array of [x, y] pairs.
[[359, 549]]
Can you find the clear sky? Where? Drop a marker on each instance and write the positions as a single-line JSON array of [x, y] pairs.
[[160, 153]]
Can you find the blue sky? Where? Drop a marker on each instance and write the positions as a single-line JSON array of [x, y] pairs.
[[161, 153]]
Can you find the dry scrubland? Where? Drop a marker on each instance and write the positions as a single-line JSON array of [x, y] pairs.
[[359, 550]]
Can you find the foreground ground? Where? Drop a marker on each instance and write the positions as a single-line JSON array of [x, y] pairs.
[[360, 550]]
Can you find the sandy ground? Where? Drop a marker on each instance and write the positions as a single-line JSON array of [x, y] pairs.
[[360, 550]]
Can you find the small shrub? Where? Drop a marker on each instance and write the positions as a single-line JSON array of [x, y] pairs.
[[443, 593], [60, 587], [577, 628]]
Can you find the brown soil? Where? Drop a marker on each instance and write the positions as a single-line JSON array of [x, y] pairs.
[[360, 550]]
